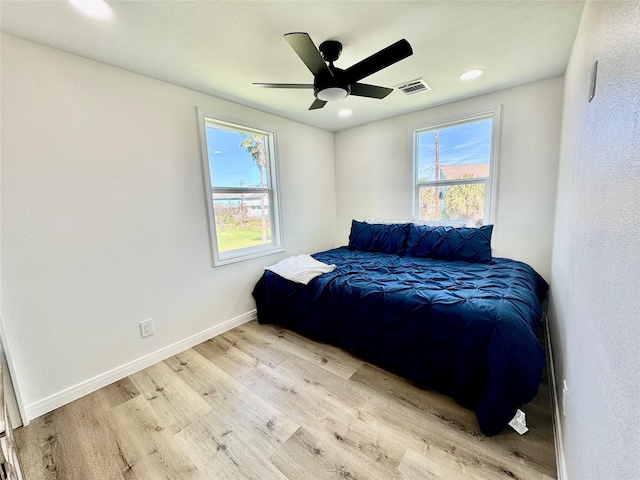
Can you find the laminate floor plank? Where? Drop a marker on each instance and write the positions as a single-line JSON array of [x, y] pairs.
[[119, 392], [286, 394], [444, 415], [341, 426], [231, 360], [415, 466], [305, 402], [305, 456], [328, 357], [146, 446], [259, 347], [389, 387], [336, 390], [245, 414], [225, 451], [171, 399], [74, 445], [208, 456], [437, 439], [446, 449], [261, 402]]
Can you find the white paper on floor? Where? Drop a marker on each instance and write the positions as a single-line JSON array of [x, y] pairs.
[[519, 422]]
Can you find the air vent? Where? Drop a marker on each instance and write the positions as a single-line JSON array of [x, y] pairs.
[[414, 86]]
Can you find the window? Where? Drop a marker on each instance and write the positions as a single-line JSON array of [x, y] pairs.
[[454, 170], [239, 165]]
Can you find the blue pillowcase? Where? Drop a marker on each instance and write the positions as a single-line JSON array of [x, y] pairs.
[[448, 243], [374, 237], [471, 245]]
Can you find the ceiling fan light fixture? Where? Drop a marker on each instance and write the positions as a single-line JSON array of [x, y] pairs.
[[332, 93], [471, 74]]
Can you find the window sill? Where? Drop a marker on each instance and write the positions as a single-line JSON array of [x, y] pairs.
[[246, 255]]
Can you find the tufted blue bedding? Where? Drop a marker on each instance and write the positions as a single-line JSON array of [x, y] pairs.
[[465, 329]]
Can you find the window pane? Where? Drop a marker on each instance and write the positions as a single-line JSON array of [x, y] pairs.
[[237, 159], [460, 151], [243, 200], [242, 220], [455, 204]]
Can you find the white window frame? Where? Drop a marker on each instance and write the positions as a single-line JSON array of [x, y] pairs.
[[491, 184], [224, 258]]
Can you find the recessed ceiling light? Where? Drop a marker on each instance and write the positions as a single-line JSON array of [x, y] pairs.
[[471, 74], [93, 8], [345, 112]]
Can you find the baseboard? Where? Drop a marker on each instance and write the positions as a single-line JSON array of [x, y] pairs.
[[555, 408], [73, 393]]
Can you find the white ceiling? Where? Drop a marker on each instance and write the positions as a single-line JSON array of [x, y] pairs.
[[221, 47]]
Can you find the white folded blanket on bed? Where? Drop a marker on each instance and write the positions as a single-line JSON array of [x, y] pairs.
[[300, 269]]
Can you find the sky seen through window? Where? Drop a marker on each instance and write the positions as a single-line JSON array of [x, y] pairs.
[[468, 143]]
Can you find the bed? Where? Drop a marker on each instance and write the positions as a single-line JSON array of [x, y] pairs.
[[462, 323]]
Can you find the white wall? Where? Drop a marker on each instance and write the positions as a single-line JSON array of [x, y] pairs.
[[371, 168], [104, 220], [595, 308]]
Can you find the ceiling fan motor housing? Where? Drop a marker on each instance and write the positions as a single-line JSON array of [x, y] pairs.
[[330, 50]]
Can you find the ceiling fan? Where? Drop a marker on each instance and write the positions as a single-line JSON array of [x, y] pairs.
[[332, 83]]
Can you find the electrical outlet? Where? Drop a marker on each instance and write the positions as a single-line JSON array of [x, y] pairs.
[[565, 393], [146, 328]]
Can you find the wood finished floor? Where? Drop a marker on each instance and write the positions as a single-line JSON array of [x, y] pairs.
[[264, 403]]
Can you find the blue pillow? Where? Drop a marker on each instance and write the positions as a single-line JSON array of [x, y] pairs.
[[375, 237], [448, 243], [419, 241]]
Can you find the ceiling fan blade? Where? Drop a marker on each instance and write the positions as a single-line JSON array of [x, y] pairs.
[[283, 85], [307, 51], [317, 104], [371, 91], [376, 62]]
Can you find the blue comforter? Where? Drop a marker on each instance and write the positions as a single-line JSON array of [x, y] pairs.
[[465, 329]]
